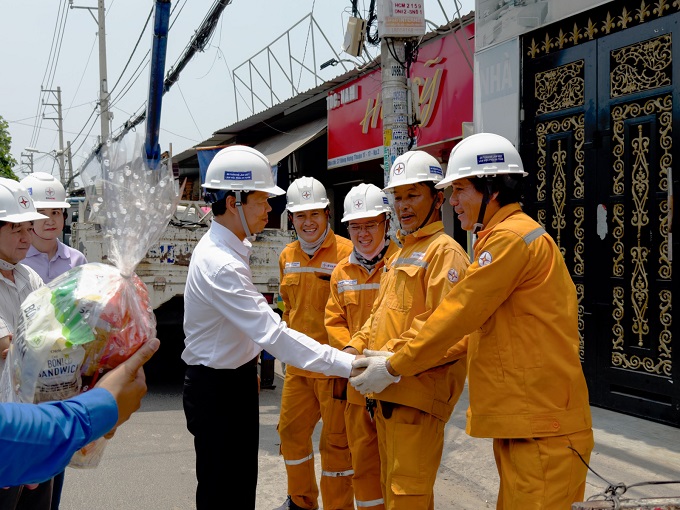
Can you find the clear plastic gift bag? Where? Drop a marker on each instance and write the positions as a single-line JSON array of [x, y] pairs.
[[93, 317]]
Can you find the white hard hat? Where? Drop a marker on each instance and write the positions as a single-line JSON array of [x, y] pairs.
[[482, 154], [305, 194], [365, 201], [241, 168], [46, 191], [412, 167], [16, 205]]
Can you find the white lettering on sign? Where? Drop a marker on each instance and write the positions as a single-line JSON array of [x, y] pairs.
[[496, 79], [342, 97]]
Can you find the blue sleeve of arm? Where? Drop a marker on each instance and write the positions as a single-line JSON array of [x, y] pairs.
[[38, 441]]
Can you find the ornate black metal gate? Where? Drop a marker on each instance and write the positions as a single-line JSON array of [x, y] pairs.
[[600, 104]]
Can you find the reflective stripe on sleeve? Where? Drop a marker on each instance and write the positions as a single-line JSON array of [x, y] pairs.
[[289, 270], [533, 235], [361, 286], [410, 262]]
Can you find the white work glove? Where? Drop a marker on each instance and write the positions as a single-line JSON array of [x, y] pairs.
[[372, 354], [375, 378]]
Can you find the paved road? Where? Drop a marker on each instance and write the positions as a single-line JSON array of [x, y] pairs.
[[149, 464]]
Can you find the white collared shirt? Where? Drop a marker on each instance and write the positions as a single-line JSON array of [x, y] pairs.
[[12, 294], [227, 321]]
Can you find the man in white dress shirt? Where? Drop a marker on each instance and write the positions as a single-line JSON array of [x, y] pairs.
[[227, 323]]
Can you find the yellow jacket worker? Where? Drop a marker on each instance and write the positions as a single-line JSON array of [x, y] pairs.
[[354, 286], [519, 307], [411, 415], [306, 266]]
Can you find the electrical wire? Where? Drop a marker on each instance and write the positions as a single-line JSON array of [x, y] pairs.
[[189, 110], [50, 69], [134, 50], [613, 492]]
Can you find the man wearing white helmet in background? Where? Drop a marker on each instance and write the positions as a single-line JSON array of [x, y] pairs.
[[227, 323], [518, 306], [410, 416], [48, 256], [306, 266], [39, 440], [17, 214], [354, 286]]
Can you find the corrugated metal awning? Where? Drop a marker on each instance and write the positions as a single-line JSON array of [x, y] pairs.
[[278, 147]]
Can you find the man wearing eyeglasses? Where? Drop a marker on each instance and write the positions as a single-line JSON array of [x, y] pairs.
[[410, 415], [354, 286]]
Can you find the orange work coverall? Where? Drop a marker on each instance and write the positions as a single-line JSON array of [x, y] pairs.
[[353, 291], [308, 396], [518, 306], [412, 413]]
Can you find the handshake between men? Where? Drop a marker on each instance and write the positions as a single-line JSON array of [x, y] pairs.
[[370, 372]]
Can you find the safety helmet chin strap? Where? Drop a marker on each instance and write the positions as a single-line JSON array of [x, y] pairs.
[[488, 188], [429, 214], [239, 208]]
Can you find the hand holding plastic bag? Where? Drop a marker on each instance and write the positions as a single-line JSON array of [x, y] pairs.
[[93, 317]]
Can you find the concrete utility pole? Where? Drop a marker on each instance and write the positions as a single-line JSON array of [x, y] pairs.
[[70, 168], [394, 100], [27, 159], [59, 120], [105, 115], [398, 23]]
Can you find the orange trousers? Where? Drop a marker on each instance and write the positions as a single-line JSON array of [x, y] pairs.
[[542, 473], [304, 401], [363, 443], [411, 443]]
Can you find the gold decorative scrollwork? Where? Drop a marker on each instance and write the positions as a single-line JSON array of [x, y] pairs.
[[579, 235], [642, 66], [624, 19], [665, 268], [597, 22], [617, 315], [660, 366], [559, 193], [640, 180], [561, 87], [642, 12], [666, 319], [638, 145], [617, 234], [580, 291], [662, 5], [541, 215], [661, 106]]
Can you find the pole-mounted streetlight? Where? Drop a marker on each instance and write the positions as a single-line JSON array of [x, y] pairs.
[[53, 154]]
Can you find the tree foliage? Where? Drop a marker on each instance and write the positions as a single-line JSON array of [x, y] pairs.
[[7, 162]]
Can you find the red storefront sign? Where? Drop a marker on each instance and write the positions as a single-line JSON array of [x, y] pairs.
[[444, 80]]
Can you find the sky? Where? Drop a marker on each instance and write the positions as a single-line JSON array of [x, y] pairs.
[[47, 45]]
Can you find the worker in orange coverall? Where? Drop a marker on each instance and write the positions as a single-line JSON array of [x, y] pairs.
[[306, 266], [410, 416], [518, 306], [354, 286]]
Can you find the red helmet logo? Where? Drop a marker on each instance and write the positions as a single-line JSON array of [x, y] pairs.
[[399, 168], [23, 202]]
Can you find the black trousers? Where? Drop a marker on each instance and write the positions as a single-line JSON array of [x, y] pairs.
[[21, 498], [222, 412]]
